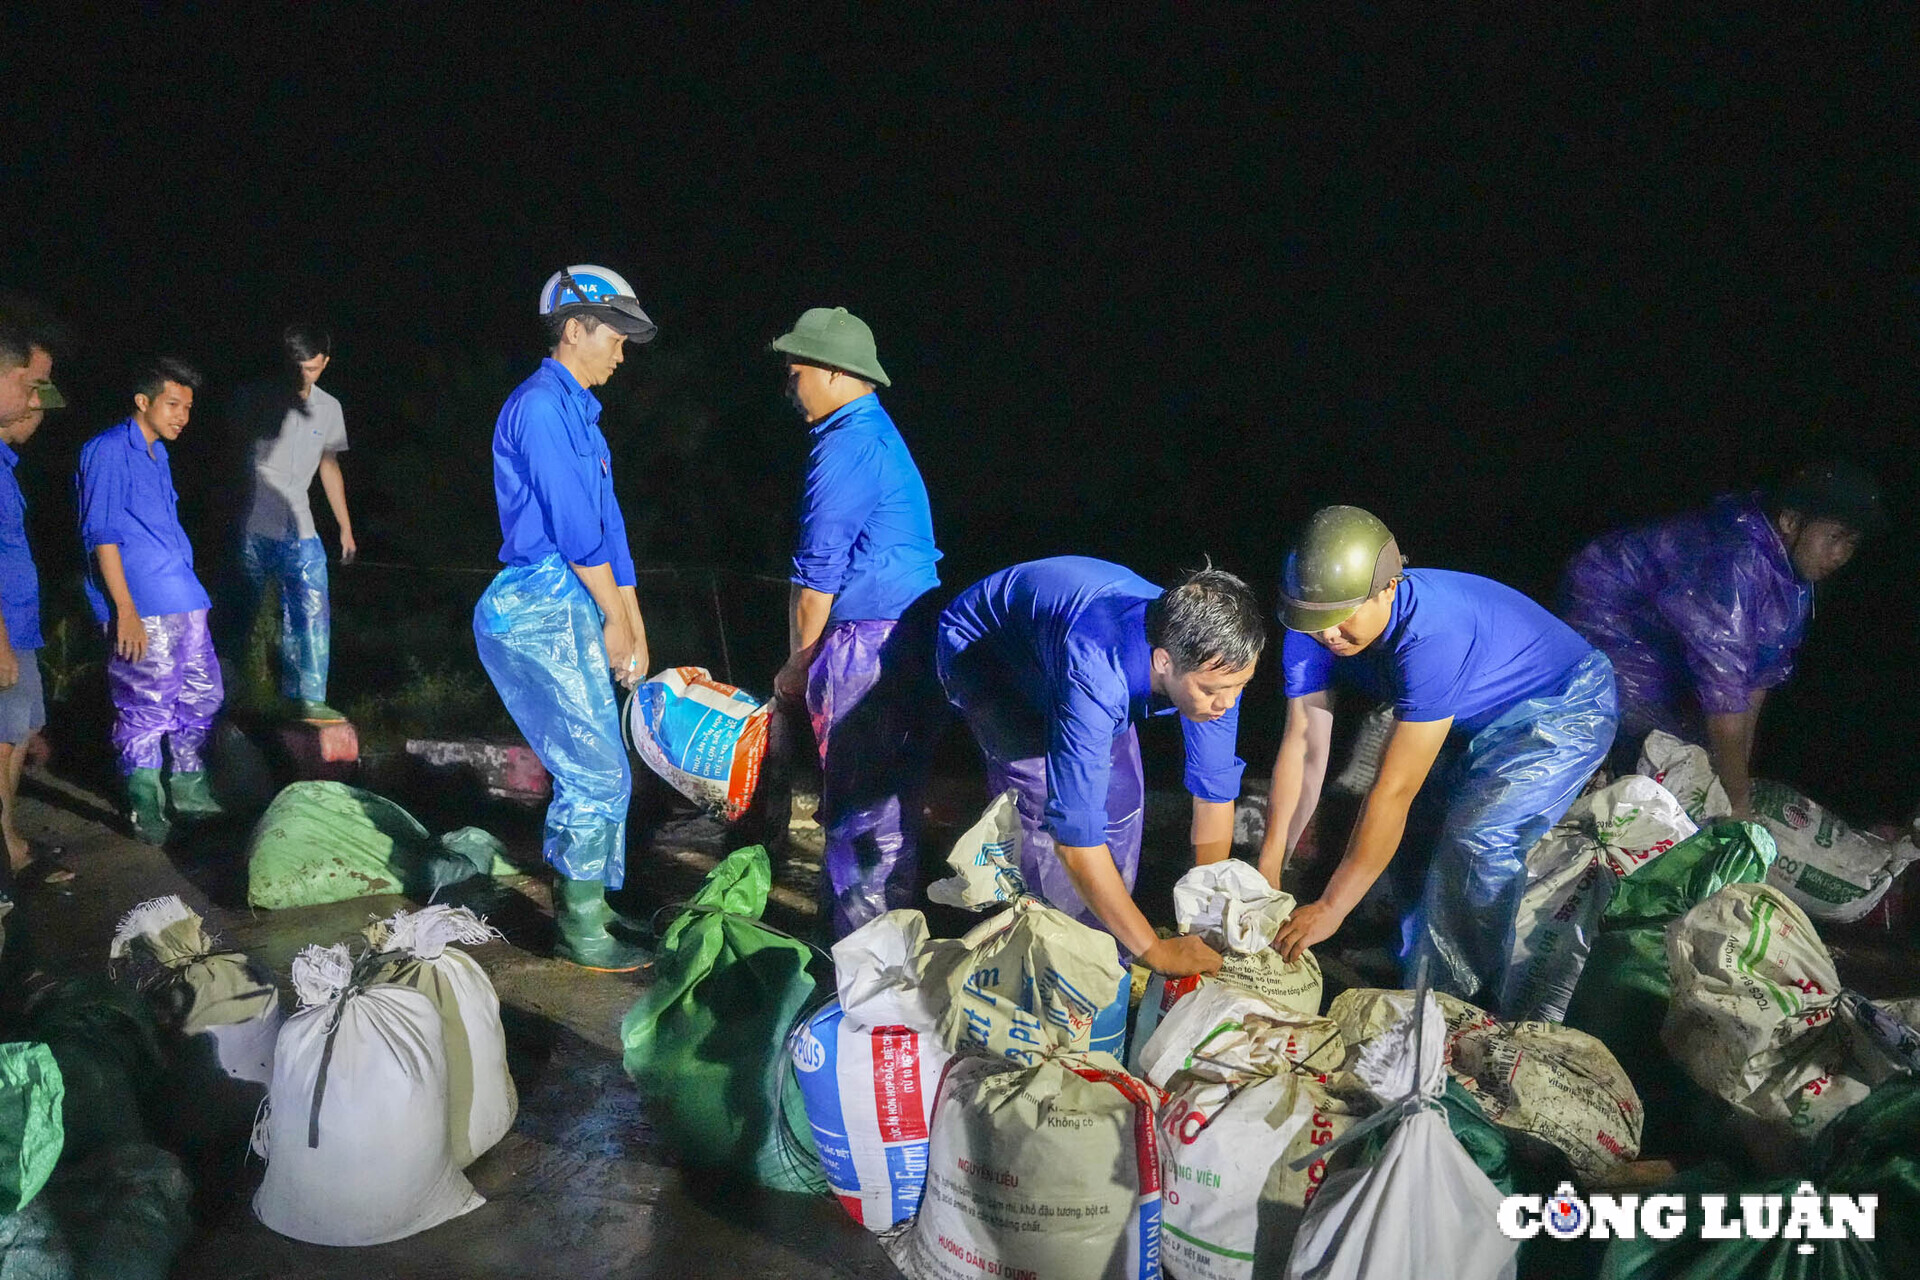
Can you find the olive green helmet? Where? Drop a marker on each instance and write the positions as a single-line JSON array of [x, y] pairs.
[[1342, 559]]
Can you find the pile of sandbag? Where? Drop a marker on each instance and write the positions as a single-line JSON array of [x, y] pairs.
[[705, 738], [1604, 837], [356, 1131], [1237, 913]]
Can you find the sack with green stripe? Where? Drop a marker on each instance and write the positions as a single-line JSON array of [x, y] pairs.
[[1754, 1017]]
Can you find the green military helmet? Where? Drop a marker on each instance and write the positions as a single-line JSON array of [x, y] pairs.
[[1343, 558], [836, 338]]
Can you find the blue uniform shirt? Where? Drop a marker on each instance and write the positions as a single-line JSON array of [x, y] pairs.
[[127, 498], [553, 477], [1456, 644], [1072, 632], [19, 580], [866, 530]]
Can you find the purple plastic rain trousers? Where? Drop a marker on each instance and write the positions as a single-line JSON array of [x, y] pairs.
[[172, 693], [873, 710]]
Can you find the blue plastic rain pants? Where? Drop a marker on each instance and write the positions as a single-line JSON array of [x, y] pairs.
[[539, 635], [171, 694], [306, 635], [1513, 780]]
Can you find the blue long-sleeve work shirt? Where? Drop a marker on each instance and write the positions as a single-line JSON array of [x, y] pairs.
[[1070, 634], [866, 529], [553, 477], [127, 498], [19, 580]]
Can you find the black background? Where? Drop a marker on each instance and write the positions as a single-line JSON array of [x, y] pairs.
[[1147, 290]]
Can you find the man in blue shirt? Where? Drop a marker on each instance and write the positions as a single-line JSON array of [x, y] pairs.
[[859, 621], [563, 612], [26, 393], [162, 673], [1455, 654], [1054, 663]]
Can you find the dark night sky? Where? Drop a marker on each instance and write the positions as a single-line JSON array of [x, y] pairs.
[[1146, 291]]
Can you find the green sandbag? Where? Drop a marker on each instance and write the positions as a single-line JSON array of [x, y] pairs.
[[1874, 1149], [1688, 1257], [324, 842], [108, 1050], [707, 1042], [1625, 988], [31, 1094]]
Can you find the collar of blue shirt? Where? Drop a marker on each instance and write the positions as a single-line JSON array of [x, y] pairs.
[[137, 441], [8, 457], [847, 412]]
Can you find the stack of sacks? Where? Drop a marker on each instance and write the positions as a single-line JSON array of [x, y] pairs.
[[412, 950], [869, 1065], [1560, 1085], [355, 1133], [1423, 1208], [1757, 1015], [199, 990], [1605, 836], [1236, 912], [1247, 1099]]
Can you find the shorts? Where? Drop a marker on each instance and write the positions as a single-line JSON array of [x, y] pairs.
[[23, 708]]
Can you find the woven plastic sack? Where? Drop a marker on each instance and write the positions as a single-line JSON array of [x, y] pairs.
[[31, 1093], [355, 1131], [1689, 1256], [1831, 871], [1217, 1015], [200, 990], [1604, 837], [416, 951], [124, 1213], [1685, 770], [110, 1060], [1049, 1170], [324, 842], [705, 738], [32, 1245], [706, 1043], [985, 861], [1874, 1149]]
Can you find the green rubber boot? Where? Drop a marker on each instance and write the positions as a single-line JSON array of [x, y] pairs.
[[581, 916], [147, 807], [191, 796], [317, 713]]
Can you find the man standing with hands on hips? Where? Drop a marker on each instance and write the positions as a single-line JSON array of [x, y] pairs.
[[563, 612]]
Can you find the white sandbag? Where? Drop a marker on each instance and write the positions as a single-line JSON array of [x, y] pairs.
[[705, 738], [1752, 1016], [200, 990], [362, 1154], [1049, 1171], [481, 1098], [985, 861], [1833, 872], [1022, 983], [1571, 871], [1311, 1043], [1240, 1113], [1687, 771], [1423, 1208], [869, 1067]]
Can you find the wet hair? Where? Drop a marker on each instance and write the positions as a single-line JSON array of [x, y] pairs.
[[152, 377], [555, 323], [303, 341], [1208, 619], [23, 328]]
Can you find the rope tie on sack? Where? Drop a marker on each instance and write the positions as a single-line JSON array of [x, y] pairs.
[[1405, 1108]]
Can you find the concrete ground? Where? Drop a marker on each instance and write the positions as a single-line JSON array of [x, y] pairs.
[[579, 1188]]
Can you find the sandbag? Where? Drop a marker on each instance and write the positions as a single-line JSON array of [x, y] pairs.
[[1023, 983], [200, 991], [1874, 1149], [124, 1213], [1831, 871], [1685, 770], [1423, 1207], [32, 1245], [31, 1094], [985, 861], [414, 950], [1049, 1169], [706, 1043], [1243, 1107], [355, 1130], [110, 1061], [705, 738], [324, 842], [1753, 1012], [1288, 1040], [1604, 836], [869, 1066]]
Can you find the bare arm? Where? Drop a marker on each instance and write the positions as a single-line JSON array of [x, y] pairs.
[[1730, 742], [1212, 831], [1299, 771], [335, 486], [617, 631], [807, 614], [129, 634], [1376, 837], [1099, 885], [631, 597]]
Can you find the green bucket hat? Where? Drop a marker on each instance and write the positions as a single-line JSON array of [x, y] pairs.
[[1344, 557], [836, 338]]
